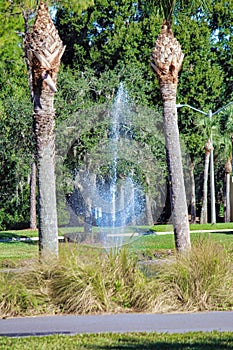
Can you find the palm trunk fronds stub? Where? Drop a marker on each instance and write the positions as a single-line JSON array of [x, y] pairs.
[[44, 50], [167, 56], [208, 146], [228, 166]]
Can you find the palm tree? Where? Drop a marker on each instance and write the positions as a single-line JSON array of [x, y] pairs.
[[209, 128], [166, 62], [227, 200], [204, 210], [44, 49], [228, 147]]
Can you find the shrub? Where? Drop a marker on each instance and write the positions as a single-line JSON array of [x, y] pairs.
[[199, 280], [111, 283], [15, 298]]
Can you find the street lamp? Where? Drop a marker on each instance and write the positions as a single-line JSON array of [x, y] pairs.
[[210, 114]]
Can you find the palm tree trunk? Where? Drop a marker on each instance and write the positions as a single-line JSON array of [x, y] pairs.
[[44, 123], [227, 201], [204, 210], [166, 62], [44, 49], [175, 168], [227, 211], [149, 216], [193, 195], [33, 196]]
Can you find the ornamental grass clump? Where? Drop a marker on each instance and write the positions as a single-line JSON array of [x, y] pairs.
[[110, 283], [199, 280], [15, 298]]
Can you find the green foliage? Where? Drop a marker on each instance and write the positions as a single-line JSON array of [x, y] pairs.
[[15, 157], [108, 33], [109, 42], [77, 6]]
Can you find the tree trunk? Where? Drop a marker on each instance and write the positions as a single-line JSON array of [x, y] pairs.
[[149, 216], [133, 215], [193, 195], [175, 169], [227, 209], [44, 49], [204, 210], [166, 62], [122, 211], [33, 196], [88, 215], [227, 201]]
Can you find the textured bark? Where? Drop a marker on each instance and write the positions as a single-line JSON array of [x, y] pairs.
[[227, 201], [204, 210], [33, 196], [166, 61], [44, 49], [193, 195], [149, 216]]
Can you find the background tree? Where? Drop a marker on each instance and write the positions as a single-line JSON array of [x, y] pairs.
[[226, 139]]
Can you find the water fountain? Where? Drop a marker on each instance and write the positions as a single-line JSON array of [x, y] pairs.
[[105, 190], [118, 191]]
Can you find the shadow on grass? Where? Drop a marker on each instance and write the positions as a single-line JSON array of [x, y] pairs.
[[191, 341], [129, 341], [9, 237]]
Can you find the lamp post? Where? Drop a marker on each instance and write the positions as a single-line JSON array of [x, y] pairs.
[[210, 114]]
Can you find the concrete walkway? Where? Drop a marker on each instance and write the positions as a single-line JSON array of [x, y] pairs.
[[119, 323]]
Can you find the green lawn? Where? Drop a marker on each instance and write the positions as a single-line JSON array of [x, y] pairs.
[[14, 234], [15, 252], [131, 229], [136, 341], [151, 245]]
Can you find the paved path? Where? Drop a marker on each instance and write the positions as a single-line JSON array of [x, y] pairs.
[[119, 323]]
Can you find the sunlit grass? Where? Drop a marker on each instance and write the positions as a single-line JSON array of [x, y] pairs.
[[198, 280], [88, 280], [149, 246], [18, 233], [13, 253], [134, 341]]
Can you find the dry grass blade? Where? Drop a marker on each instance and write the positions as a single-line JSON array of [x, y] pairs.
[[200, 280]]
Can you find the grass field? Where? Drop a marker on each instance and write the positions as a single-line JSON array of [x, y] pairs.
[[133, 341], [15, 253], [152, 245]]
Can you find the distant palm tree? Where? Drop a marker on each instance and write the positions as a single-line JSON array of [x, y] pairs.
[[209, 127], [204, 210], [227, 200], [44, 49], [228, 149], [166, 62]]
